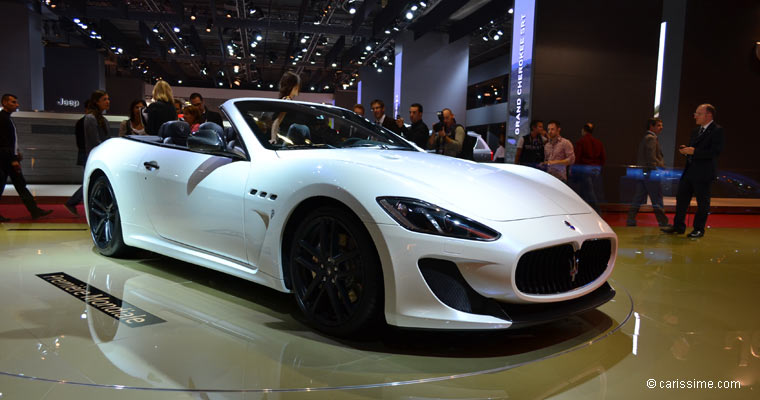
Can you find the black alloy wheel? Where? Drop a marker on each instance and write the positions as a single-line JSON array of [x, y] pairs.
[[335, 272], [104, 218]]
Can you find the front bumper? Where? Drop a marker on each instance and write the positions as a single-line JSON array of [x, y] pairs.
[[479, 291]]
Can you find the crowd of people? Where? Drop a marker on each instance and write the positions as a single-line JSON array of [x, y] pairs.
[[92, 129], [578, 165]]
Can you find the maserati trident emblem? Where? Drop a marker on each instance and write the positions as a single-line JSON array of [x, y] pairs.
[[569, 225], [574, 266]]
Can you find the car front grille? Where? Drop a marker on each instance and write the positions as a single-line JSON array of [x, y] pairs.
[[560, 269]]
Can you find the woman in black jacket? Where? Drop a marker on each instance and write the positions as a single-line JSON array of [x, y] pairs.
[[95, 133], [161, 110]]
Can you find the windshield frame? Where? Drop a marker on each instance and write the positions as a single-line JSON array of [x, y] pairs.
[[387, 138]]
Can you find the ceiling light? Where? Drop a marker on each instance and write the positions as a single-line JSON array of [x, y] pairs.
[[414, 7], [423, 4], [379, 69], [368, 48], [176, 29], [77, 20], [511, 10], [229, 14], [155, 29], [334, 65], [259, 37], [409, 15], [172, 50]]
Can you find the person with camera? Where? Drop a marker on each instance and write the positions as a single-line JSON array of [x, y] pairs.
[[418, 132], [448, 136]]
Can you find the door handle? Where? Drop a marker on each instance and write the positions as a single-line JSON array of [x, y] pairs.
[[150, 165]]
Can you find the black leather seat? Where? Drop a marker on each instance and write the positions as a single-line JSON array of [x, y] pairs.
[[174, 132]]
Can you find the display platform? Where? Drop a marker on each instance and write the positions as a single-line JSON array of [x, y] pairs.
[[195, 333]]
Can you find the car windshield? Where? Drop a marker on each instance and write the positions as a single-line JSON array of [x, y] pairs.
[[285, 125]]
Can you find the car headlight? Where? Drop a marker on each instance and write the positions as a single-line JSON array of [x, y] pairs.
[[419, 216]]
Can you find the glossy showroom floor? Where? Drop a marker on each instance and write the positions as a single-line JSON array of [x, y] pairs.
[[686, 313]]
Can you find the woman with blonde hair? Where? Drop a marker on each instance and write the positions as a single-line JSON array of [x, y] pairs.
[[161, 110]]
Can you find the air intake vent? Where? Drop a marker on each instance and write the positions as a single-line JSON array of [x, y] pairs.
[[560, 269]]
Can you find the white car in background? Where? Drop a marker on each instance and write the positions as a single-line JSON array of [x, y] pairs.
[[353, 220]]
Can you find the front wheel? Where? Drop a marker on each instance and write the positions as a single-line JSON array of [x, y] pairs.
[[105, 221], [335, 272]]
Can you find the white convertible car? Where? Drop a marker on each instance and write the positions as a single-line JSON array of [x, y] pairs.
[[355, 221]]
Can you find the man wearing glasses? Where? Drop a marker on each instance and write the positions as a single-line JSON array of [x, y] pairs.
[[702, 153]]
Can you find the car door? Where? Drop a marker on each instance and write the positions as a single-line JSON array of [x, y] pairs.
[[196, 199]]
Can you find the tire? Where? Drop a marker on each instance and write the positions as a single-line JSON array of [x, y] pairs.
[[105, 220], [335, 272]]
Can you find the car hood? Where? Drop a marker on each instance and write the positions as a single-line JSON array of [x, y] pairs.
[[501, 193]]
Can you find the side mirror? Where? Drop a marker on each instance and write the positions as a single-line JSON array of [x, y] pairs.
[[206, 141]]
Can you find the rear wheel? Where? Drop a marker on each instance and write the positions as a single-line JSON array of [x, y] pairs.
[[105, 221], [335, 272]]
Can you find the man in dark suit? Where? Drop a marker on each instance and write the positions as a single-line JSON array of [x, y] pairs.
[[206, 115], [702, 153], [378, 110], [10, 159]]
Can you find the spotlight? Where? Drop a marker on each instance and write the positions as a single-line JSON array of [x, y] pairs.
[[423, 4], [414, 7], [209, 25], [179, 82], [379, 69], [236, 68], [259, 37], [237, 82], [368, 48], [334, 65], [155, 28], [176, 29], [387, 31], [409, 15], [193, 15], [511, 11], [228, 14], [77, 21]]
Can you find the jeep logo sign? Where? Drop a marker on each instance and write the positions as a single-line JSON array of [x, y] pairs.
[[67, 103]]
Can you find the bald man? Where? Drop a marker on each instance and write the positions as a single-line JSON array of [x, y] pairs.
[[702, 153]]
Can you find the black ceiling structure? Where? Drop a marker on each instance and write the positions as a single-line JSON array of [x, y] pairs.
[[250, 43]]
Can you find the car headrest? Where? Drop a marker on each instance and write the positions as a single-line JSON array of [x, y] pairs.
[[213, 126], [178, 131], [229, 134]]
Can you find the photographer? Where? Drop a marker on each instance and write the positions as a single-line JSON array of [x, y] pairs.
[[448, 136], [418, 132]]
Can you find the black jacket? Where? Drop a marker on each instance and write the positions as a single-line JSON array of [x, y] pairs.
[[211, 116], [703, 164], [417, 133], [156, 114], [7, 138], [390, 124]]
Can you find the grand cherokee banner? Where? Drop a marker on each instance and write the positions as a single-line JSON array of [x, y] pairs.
[[521, 74]]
